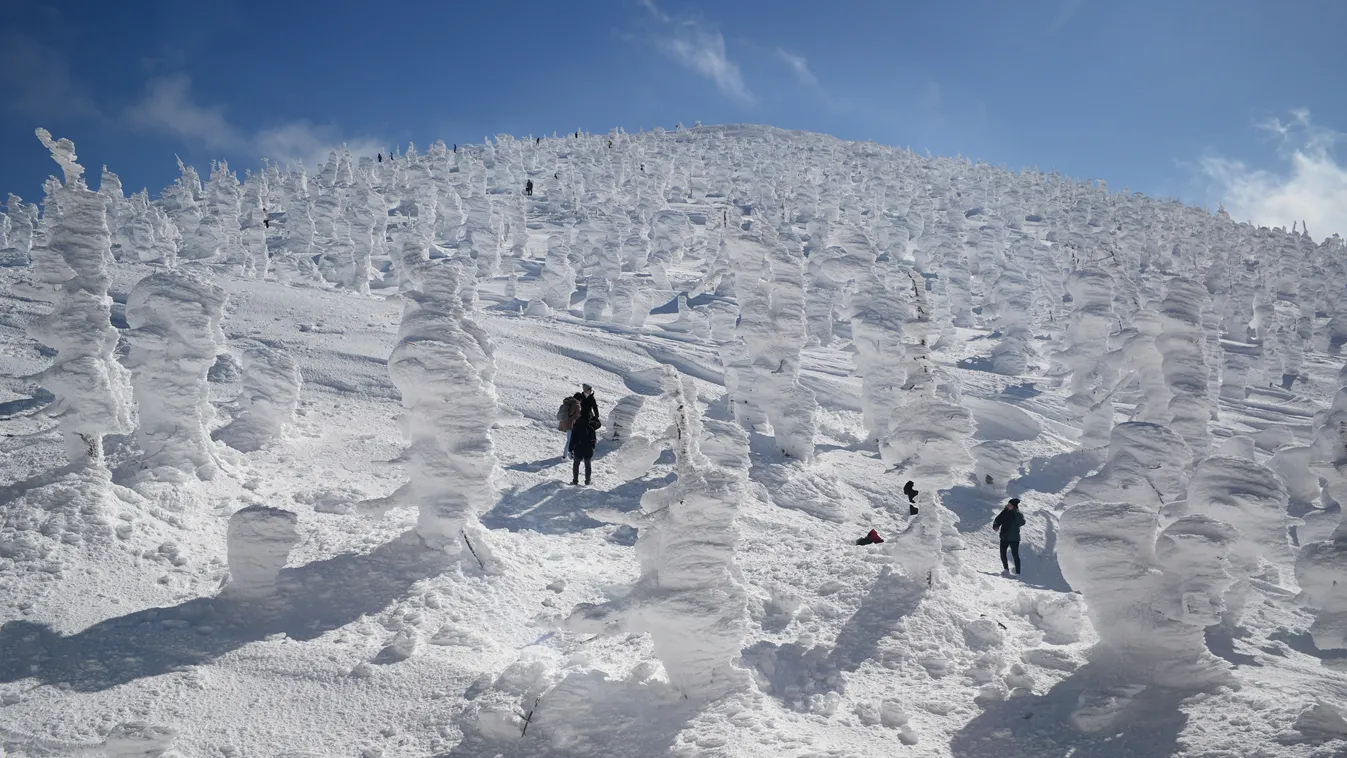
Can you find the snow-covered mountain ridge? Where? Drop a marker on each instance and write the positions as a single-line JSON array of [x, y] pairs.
[[282, 473]]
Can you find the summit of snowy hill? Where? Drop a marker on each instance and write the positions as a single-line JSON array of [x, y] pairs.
[[712, 441]]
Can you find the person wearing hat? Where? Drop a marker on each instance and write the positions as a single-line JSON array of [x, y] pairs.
[[1008, 523], [587, 402]]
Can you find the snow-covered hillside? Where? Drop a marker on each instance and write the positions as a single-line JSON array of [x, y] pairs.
[[282, 477]]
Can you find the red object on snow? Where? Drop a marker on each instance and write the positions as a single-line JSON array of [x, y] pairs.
[[874, 537]]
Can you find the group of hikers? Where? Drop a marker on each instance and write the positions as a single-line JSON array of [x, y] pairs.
[[579, 418]]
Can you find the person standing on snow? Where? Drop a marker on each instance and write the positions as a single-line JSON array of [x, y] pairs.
[[1008, 523], [567, 417], [585, 438], [587, 402], [528, 188]]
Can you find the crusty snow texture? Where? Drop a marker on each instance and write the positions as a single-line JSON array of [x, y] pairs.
[[175, 338]]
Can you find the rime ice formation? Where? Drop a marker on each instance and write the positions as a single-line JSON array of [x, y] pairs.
[[93, 393], [260, 540], [1251, 498], [1181, 344], [558, 276], [267, 402], [443, 367], [689, 597], [878, 315], [1146, 465], [1085, 351], [1319, 571], [769, 285], [1328, 456], [175, 338], [20, 225], [1149, 602]]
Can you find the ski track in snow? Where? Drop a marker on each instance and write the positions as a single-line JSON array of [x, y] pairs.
[[849, 656]]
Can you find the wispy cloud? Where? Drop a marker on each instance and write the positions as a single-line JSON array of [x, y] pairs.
[[701, 49], [168, 107], [1064, 14], [798, 66], [37, 82], [1310, 187]]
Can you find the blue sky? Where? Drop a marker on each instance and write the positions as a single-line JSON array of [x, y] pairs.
[[1237, 101]]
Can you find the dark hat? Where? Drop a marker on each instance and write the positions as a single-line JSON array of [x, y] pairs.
[[1014, 501], [586, 387]]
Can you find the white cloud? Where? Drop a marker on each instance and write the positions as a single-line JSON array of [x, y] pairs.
[[168, 108], [700, 49], [800, 67], [1311, 187], [37, 81], [703, 51]]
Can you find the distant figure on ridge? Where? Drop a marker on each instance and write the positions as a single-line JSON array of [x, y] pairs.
[[528, 188], [381, 157], [567, 416], [584, 438], [1008, 523]]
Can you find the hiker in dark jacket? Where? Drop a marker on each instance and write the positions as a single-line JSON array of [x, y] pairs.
[[528, 188], [567, 417], [910, 489], [584, 438], [1008, 523], [587, 401]]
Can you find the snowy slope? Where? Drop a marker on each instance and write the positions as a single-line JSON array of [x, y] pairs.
[[121, 636]]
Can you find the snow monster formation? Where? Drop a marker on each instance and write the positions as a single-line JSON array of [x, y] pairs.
[[175, 338], [92, 390], [689, 597], [271, 387], [443, 366], [769, 285]]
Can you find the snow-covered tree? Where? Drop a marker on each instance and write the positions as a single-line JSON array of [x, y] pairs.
[[175, 338], [689, 597], [259, 543], [443, 366], [1320, 568], [267, 402], [769, 285], [1146, 465], [1182, 344], [92, 390], [878, 316]]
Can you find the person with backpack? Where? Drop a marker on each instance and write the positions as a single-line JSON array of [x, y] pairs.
[[585, 437], [567, 415], [910, 489], [528, 188], [1008, 523]]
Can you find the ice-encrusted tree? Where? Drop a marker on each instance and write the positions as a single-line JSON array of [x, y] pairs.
[[1085, 353], [20, 225], [1328, 456], [878, 316], [92, 390], [769, 286], [1251, 498], [1182, 343], [1320, 568], [1150, 596], [1012, 304], [1147, 465], [267, 402], [558, 277], [175, 338], [444, 367], [689, 598], [259, 543]]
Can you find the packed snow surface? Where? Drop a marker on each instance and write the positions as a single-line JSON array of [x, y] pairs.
[[280, 469]]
